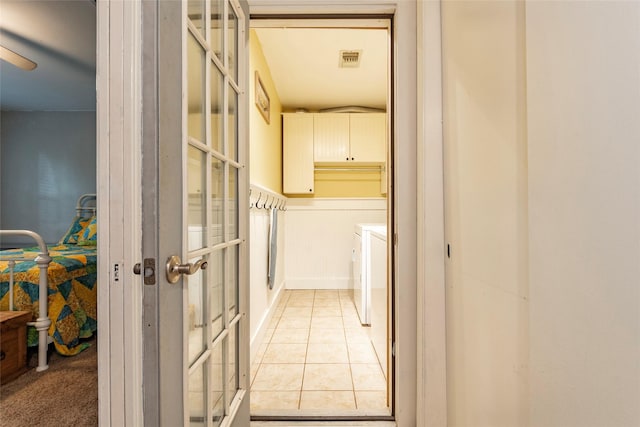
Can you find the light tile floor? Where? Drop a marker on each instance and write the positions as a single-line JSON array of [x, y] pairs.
[[317, 357]]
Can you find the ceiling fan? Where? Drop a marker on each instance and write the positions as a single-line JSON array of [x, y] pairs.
[[17, 59]]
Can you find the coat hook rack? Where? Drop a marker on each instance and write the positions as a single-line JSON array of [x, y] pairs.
[[266, 199]]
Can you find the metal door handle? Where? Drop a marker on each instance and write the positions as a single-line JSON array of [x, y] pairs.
[[175, 268]]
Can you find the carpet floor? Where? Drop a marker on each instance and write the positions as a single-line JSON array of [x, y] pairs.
[[66, 394]]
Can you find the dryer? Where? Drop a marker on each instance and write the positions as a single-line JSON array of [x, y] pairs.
[[362, 275]]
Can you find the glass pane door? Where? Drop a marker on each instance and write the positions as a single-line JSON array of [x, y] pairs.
[[196, 358], [214, 232]]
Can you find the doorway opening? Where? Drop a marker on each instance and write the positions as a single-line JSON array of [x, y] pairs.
[[48, 173], [320, 148]]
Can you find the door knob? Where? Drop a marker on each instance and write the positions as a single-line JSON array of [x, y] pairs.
[[175, 268]]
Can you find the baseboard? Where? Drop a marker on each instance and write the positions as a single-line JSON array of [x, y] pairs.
[[258, 337], [319, 283]]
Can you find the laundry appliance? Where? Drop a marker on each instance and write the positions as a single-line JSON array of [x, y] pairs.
[[362, 269]]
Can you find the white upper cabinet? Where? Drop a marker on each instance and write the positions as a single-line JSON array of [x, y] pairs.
[[367, 137], [331, 137], [357, 137], [297, 132]]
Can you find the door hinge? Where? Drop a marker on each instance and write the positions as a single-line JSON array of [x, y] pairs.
[[393, 349]]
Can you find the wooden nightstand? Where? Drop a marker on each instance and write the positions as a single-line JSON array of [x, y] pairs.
[[13, 344]]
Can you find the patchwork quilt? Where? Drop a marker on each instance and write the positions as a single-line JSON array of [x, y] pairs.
[[72, 292]]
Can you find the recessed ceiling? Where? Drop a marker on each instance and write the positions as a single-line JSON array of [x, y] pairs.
[[305, 66], [59, 36]]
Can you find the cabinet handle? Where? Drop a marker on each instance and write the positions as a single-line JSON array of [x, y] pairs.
[[347, 159], [2, 355], [352, 158], [311, 190]]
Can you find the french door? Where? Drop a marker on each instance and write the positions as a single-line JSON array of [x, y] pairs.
[[195, 213]]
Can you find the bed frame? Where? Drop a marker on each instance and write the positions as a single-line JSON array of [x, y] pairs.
[[85, 207]]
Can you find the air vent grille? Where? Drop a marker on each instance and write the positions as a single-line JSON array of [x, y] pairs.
[[350, 58]]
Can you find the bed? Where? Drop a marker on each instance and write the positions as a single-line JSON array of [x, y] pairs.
[[68, 315]]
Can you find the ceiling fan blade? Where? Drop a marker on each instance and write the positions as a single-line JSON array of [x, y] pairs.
[[17, 59]]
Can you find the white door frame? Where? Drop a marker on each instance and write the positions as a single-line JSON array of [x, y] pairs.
[[420, 364], [431, 334], [420, 344], [118, 200]]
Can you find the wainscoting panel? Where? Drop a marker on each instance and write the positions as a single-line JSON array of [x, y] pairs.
[[262, 299], [319, 240]]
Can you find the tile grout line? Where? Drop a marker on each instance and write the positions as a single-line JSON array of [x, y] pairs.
[[306, 354], [267, 342], [342, 300], [344, 332]]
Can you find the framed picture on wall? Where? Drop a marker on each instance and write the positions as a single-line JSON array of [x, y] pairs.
[[262, 99]]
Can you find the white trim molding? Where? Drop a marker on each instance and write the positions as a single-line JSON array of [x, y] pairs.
[[118, 207], [418, 276], [431, 365], [292, 7], [350, 204]]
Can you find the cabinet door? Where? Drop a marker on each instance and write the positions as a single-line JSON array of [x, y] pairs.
[[368, 137], [297, 133], [331, 137]]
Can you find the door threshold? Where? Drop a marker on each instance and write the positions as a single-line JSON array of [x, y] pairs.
[[321, 423], [322, 418]]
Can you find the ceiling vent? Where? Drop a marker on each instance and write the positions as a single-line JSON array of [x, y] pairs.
[[350, 58]]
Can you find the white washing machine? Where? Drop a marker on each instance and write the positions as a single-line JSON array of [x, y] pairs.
[[362, 269]]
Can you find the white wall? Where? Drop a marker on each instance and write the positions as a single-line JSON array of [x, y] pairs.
[[319, 240], [583, 79], [486, 213], [48, 161], [263, 300]]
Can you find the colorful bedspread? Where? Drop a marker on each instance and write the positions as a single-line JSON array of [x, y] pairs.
[[72, 293]]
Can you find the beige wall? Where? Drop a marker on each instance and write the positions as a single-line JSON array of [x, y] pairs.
[[541, 103], [486, 213], [332, 184], [583, 78], [347, 184], [265, 139]]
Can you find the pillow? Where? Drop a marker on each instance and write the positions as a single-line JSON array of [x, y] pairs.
[[89, 236], [75, 230]]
